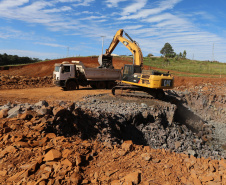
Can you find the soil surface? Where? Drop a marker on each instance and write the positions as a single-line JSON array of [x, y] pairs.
[[50, 136], [51, 94]]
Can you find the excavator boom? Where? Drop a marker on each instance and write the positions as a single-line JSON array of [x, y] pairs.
[[130, 44]]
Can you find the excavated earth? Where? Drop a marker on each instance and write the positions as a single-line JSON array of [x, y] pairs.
[[49, 136]]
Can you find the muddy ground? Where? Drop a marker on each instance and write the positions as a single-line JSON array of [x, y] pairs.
[[50, 136]]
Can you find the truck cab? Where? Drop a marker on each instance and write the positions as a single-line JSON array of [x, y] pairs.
[[62, 73], [69, 75]]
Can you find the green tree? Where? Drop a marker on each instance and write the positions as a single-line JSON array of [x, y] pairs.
[[150, 55], [6, 59], [167, 50], [184, 54], [180, 55]]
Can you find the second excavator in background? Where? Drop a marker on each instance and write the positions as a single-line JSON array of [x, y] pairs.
[[134, 77]]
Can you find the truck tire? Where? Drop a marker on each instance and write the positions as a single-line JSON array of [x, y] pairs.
[[71, 85], [93, 85]]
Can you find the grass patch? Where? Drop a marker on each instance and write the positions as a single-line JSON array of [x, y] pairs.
[[187, 66]]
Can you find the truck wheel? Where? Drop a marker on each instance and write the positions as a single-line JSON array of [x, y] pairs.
[[71, 85], [93, 85], [101, 85]]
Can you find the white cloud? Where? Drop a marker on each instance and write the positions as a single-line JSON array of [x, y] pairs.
[[55, 10], [134, 27], [139, 4], [144, 13], [12, 3], [113, 3], [83, 3], [41, 12], [68, 1], [205, 15], [159, 18], [29, 13], [168, 4], [87, 12], [6, 33], [93, 17], [51, 45]]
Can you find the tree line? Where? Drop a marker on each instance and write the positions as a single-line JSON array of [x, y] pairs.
[[168, 52], [6, 59]]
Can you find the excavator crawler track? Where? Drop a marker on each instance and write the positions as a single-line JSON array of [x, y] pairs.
[[131, 91]]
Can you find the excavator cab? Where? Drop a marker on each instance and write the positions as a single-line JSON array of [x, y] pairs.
[[130, 73]]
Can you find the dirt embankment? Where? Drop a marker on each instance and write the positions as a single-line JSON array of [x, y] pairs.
[[46, 68]]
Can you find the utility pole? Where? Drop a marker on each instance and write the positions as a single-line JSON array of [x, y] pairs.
[[213, 53], [67, 51], [102, 43]]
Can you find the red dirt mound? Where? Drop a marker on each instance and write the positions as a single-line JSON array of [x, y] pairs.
[[42, 69]]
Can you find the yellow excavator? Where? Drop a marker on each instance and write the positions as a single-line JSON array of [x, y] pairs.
[[134, 77]]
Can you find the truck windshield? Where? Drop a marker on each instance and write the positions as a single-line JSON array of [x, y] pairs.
[[57, 68]]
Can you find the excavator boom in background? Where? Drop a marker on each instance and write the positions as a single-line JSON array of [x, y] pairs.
[[134, 77]]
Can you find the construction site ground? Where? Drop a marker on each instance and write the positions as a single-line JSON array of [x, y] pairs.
[[35, 151]]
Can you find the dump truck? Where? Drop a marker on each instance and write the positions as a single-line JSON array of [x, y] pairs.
[[70, 76]]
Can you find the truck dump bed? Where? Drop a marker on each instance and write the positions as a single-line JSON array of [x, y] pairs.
[[93, 74], [98, 74]]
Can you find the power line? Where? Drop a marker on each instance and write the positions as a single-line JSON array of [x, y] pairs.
[[67, 51]]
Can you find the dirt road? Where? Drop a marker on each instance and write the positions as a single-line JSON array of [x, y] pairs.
[[49, 94]]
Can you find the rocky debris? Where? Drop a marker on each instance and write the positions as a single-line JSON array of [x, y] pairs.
[[113, 122], [205, 100], [51, 159], [216, 86], [78, 143], [22, 82], [151, 126], [164, 167], [204, 105]]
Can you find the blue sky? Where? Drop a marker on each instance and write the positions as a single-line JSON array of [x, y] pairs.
[[60, 28]]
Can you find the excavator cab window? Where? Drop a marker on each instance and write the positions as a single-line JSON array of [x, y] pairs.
[[128, 72]]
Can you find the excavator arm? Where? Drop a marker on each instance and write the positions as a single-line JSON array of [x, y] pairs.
[[130, 44]]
